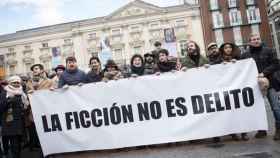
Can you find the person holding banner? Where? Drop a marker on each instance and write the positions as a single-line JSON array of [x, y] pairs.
[[58, 71], [112, 71], [149, 63], [267, 64], [95, 74], [38, 81], [137, 67], [164, 63], [213, 54], [72, 75], [230, 52], [12, 111], [193, 57]]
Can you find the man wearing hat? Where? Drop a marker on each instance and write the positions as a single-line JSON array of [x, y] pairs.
[[72, 75], [38, 81], [150, 65], [213, 54], [58, 71]]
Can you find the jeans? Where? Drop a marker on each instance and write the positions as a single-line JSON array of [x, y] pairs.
[[274, 101]]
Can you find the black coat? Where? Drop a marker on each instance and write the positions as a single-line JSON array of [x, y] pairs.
[[12, 116], [265, 58], [3, 101]]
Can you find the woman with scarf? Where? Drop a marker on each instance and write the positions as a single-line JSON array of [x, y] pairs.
[[137, 66], [13, 116]]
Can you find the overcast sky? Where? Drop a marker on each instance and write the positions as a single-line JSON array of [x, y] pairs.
[[17, 15]]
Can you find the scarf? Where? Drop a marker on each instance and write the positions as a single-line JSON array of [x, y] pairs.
[[137, 70], [166, 66], [12, 91], [195, 59]]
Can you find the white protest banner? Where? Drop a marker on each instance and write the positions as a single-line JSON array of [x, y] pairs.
[[196, 104]]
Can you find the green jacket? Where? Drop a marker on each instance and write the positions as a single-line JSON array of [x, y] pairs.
[[189, 63]]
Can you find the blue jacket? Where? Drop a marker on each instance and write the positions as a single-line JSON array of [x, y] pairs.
[[72, 77]]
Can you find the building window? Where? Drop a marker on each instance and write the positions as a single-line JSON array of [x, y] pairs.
[[45, 45], [92, 35], [116, 31], [183, 47], [11, 50], [218, 21], [118, 54], [253, 15], [235, 17], [134, 28], [219, 36], [12, 69], [237, 36], [214, 5], [137, 49], [250, 2], [27, 67], [232, 3]]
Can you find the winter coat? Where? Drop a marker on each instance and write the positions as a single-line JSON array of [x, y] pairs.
[[44, 83], [265, 58], [275, 81], [150, 69], [166, 66], [113, 75], [70, 78], [12, 116], [189, 63], [3, 101]]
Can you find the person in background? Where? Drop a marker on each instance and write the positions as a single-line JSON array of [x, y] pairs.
[[72, 75], [193, 58], [12, 111], [3, 103], [213, 54], [150, 64], [137, 67], [95, 74], [112, 71], [267, 64], [58, 72], [155, 52]]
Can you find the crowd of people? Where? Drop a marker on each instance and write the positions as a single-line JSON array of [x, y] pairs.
[[18, 128]]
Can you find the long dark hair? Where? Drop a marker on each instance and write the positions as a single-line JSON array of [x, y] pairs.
[[236, 53], [196, 45]]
